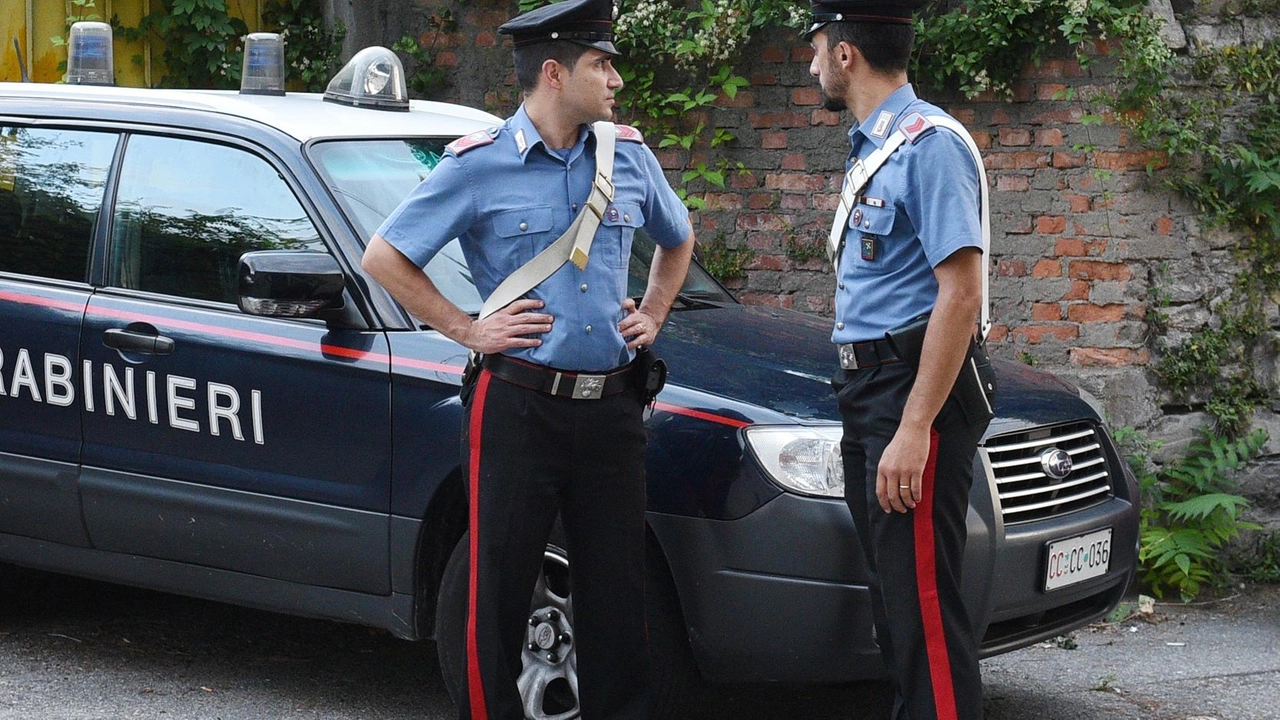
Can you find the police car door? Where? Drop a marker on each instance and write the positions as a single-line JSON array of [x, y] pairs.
[[51, 191], [214, 437]]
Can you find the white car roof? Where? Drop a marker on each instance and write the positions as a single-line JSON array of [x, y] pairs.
[[304, 116]]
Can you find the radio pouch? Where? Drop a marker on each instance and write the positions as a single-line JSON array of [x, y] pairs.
[[470, 376], [650, 374], [975, 386]]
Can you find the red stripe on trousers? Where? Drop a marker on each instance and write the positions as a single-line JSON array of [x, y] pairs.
[[935, 639], [475, 688]]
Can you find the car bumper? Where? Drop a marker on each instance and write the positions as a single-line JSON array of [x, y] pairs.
[[780, 595]]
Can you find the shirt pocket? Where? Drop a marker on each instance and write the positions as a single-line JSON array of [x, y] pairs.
[[617, 228], [527, 228], [869, 235]]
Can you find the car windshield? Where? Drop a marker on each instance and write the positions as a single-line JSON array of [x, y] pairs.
[[369, 178]]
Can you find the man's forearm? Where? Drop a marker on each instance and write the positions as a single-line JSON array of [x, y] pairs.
[[667, 274]]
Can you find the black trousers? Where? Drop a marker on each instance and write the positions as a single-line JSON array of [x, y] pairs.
[[924, 633], [530, 456]]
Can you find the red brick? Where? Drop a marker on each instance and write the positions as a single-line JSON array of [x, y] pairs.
[[761, 221], [778, 120], [764, 79], [1130, 160], [723, 201], [742, 181], [1054, 69], [1087, 313], [1023, 91], [795, 182], [1075, 247], [1051, 224], [998, 334], [966, 116], [1047, 269], [793, 201], [1013, 183], [768, 262], [802, 53], [806, 96], [982, 139], [1021, 160], [1164, 226], [824, 118], [1050, 91], [484, 38], [743, 99], [1015, 137], [448, 58], [1000, 117], [1094, 270], [1046, 312], [773, 140], [1079, 203], [1111, 357], [773, 54], [1063, 161], [1011, 268], [826, 203], [1051, 137], [793, 161], [1079, 290], [1035, 334]]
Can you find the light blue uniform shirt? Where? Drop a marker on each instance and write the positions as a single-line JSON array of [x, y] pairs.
[[508, 200], [918, 209]]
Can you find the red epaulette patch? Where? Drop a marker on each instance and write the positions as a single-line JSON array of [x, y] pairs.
[[626, 132], [915, 126], [472, 141]]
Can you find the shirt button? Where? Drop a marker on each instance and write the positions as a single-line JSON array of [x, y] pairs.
[[584, 287], [524, 226], [588, 328], [839, 326], [841, 286], [626, 218], [866, 224], [575, 207]]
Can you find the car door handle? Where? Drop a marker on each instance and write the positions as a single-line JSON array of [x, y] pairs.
[[137, 342]]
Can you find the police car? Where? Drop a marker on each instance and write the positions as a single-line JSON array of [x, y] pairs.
[[201, 392]]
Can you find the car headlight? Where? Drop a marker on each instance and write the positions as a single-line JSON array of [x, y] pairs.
[[804, 460]]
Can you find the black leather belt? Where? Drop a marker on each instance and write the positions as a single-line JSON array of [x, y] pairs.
[[866, 354], [561, 383]]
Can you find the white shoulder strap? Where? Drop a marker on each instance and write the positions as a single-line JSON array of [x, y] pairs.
[[984, 211], [575, 244], [860, 174]]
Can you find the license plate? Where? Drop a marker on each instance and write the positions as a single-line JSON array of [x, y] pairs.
[[1077, 559]]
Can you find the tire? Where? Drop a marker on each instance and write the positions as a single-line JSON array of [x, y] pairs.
[[549, 681]]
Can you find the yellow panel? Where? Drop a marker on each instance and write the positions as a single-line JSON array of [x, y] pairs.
[[13, 23], [137, 63]]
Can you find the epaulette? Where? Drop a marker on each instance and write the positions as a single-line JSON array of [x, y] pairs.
[[472, 141], [626, 132], [915, 126]]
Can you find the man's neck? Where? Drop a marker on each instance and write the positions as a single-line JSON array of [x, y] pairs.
[[557, 131], [870, 91]]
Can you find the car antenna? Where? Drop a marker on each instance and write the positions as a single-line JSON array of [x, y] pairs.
[[22, 66]]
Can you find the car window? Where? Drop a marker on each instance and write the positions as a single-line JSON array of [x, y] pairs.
[[51, 187], [369, 178], [186, 210]]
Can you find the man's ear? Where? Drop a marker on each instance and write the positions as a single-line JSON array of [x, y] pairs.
[[846, 55], [553, 73]]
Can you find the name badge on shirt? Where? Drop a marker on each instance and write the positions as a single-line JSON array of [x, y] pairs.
[[868, 248]]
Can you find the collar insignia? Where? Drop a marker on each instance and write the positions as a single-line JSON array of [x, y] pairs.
[[881, 129]]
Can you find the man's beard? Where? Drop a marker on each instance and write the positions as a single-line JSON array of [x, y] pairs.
[[833, 97], [834, 104]]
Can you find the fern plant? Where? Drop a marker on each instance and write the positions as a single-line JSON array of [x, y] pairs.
[[1189, 512]]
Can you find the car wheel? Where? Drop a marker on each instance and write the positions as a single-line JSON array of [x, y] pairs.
[[549, 680]]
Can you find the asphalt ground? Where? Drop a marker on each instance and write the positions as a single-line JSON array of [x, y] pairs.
[[79, 650]]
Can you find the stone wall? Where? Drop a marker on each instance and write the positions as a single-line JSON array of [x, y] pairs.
[[1082, 228]]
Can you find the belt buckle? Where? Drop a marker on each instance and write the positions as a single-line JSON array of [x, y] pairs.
[[588, 387], [848, 360]]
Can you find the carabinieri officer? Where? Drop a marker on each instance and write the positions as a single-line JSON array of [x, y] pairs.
[[910, 268], [555, 424]]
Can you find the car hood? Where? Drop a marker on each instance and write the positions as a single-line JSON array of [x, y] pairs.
[[782, 361]]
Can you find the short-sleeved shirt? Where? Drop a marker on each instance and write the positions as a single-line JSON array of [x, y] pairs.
[[919, 208], [507, 197]]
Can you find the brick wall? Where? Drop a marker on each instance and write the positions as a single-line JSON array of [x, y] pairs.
[[1081, 230]]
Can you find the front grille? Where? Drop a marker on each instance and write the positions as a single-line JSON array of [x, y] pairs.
[[1027, 492]]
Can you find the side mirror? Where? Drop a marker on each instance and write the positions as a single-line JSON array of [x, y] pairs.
[[285, 283]]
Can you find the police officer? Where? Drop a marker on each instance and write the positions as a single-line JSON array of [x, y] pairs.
[[535, 444], [912, 248]]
